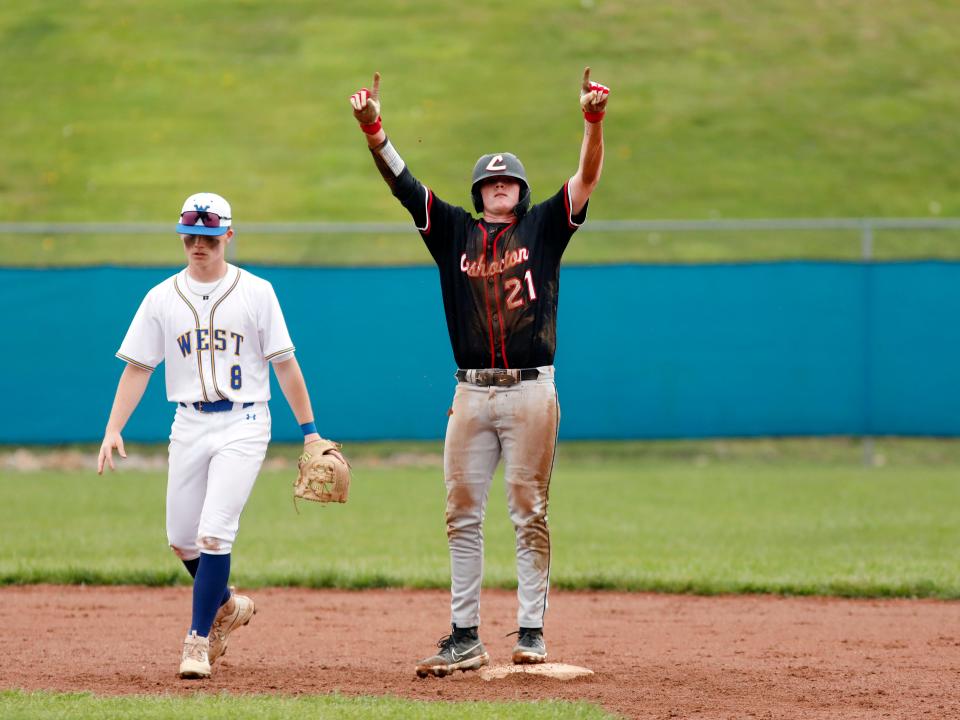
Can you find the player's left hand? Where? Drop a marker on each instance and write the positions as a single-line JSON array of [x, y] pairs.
[[593, 95], [323, 473], [307, 439]]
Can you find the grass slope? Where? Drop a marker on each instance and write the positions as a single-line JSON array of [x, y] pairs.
[[792, 526], [722, 108]]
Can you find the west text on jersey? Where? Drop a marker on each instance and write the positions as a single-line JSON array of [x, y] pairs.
[[199, 339]]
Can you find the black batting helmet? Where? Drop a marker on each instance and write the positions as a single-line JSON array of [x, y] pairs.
[[500, 165]]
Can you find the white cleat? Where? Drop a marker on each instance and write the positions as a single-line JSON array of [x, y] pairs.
[[195, 663], [234, 613]]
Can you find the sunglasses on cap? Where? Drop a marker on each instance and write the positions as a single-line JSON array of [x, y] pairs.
[[209, 219]]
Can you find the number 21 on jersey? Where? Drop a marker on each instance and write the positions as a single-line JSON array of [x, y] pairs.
[[514, 289]]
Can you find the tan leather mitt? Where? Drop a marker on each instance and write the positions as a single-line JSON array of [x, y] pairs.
[[324, 476]]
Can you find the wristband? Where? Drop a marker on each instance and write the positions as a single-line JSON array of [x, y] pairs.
[[373, 128], [390, 157], [309, 428], [594, 117]]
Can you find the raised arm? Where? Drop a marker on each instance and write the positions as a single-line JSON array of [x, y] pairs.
[[366, 109], [130, 389], [431, 215], [593, 102]]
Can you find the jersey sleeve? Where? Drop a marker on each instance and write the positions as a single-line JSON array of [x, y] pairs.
[[556, 218], [274, 337], [142, 346], [433, 217]]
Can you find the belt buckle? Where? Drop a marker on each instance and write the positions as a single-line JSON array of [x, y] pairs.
[[496, 376]]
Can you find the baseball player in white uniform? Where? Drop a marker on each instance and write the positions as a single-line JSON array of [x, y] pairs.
[[217, 329]]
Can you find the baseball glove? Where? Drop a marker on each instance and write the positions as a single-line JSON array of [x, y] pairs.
[[324, 476]]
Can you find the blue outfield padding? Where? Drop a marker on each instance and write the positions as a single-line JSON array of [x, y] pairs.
[[645, 351]]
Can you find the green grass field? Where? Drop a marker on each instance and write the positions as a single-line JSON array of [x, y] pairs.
[[116, 111], [50, 706], [667, 518], [785, 516]]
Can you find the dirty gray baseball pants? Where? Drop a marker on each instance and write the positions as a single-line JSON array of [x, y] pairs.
[[520, 423]]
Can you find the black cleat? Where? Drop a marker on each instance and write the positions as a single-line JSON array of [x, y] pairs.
[[460, 650], [530, 647]]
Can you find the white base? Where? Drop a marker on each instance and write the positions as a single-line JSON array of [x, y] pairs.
[[559, 671]]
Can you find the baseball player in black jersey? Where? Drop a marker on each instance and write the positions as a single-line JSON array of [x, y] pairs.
[[500, 279]]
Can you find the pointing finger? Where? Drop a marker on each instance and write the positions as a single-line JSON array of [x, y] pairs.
[[100, 463], [376, 86], [585, 85], [123, 453]]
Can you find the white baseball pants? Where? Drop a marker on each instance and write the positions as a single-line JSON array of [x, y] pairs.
[[520, 423], [214, 462]]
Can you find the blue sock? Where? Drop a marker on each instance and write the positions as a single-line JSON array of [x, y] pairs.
[[209, 586], [192, 566]]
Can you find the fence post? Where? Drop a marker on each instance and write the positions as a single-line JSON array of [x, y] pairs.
[[866, 240], [866, 255]]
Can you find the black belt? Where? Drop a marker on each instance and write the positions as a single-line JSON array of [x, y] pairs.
[[218, 406], [497, 376]]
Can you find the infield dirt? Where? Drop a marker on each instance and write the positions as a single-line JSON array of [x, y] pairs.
[[655, 656]]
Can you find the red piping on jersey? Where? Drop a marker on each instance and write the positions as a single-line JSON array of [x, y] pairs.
[[486, 299], [496, 294], [426, 230], [566, 204]]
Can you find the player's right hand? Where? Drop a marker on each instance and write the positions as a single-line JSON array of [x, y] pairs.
[[366, 103], [111, 440]]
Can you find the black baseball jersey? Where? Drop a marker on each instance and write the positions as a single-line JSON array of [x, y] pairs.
[[500, 281]]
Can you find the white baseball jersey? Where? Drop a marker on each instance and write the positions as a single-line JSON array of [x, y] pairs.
[[218, 348]]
